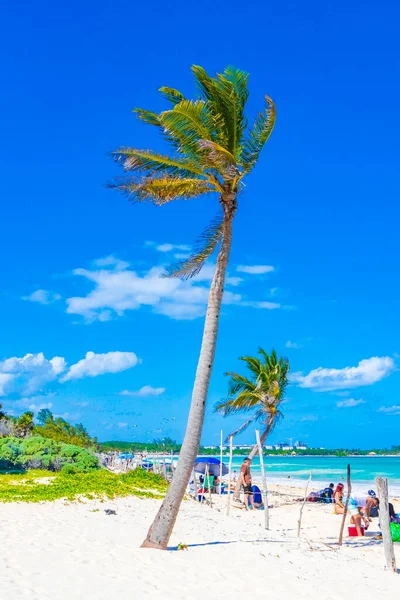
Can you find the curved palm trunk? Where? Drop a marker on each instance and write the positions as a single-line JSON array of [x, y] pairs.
[[253, 453], [161, 528]]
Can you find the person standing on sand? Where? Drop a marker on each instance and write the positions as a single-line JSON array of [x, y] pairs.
[[245, 479], [359, 507]]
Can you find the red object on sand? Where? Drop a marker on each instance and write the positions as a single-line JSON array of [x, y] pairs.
[[353, 530]]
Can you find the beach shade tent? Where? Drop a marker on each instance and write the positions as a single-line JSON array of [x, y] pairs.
[[147, 465], [213, 465], [126, 455]]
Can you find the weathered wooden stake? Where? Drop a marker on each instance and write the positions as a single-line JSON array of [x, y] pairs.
[[264, 480], [302, 506], [384, 519], [345, 506], [228, 504]]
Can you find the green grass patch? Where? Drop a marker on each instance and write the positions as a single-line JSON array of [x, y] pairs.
[[40, 486]]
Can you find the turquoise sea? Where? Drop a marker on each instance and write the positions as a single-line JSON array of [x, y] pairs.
[[295, 470]]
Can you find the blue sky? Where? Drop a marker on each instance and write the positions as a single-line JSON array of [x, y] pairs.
[[80, 268]]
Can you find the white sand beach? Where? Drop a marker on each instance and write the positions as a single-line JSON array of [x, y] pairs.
[[74, 551]]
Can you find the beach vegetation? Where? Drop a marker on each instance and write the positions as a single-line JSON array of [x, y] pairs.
[[37, 452], [60, 430], [42, 486], [212, 151]]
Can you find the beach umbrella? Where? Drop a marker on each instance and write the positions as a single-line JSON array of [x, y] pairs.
[[213, 465]]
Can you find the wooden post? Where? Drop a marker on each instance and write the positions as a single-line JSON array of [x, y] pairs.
[[228, 505], [302, 505], [220, 466], [264, 481], [384, 519], [345, 506]]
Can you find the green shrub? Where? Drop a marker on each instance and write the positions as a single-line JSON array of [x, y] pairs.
[[43, 453]]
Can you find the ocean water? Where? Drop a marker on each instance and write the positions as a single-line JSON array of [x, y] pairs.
[[295, 470]]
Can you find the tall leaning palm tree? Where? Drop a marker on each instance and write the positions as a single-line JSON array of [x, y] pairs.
[[261, 394], [212, 151]]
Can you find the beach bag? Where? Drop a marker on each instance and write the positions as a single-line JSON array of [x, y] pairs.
[[257, 498], [395, 531]]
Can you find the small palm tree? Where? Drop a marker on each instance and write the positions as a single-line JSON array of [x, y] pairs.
[[262, 394], [213, 150]]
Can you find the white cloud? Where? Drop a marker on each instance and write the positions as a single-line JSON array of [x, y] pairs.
[[170, 247], [262, 304], [309, 418], [350, 403], [117, 291], [122, 425], [43, 297], [67, 416], [111, 261], [367, 372], [233, 280], [146, 390], [37, 407], [255, 269], [182, 255], [28, 374], [390, 410], [294, 345], [5, 380], [98, 364]]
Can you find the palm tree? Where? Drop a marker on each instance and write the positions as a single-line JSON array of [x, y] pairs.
[[212, 151], [261, 394]]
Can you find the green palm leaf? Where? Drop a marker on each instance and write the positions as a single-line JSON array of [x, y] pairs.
[[171, 94], [205, 246], [187, 123], [261, 393], [258, 136]]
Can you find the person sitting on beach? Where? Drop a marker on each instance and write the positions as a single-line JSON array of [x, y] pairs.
[[329, 492], [245, 480], [360, 506], [394, 518], [338, 499]]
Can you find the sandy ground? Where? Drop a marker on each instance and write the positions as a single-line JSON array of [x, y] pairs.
[[63, 551]]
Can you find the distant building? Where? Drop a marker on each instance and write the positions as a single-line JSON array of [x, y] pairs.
[[283, 446], [301, 445]]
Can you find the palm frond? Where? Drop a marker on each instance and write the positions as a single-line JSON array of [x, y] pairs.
[[233, 86], [239, 383], [243, 402], [239, 429], [220, 107], [216, 157], [160, 190], [147, 160], [258, 135], [171, 94], [148, 116], [253, 364], [187, 123], [204, 247], [226, 95]]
